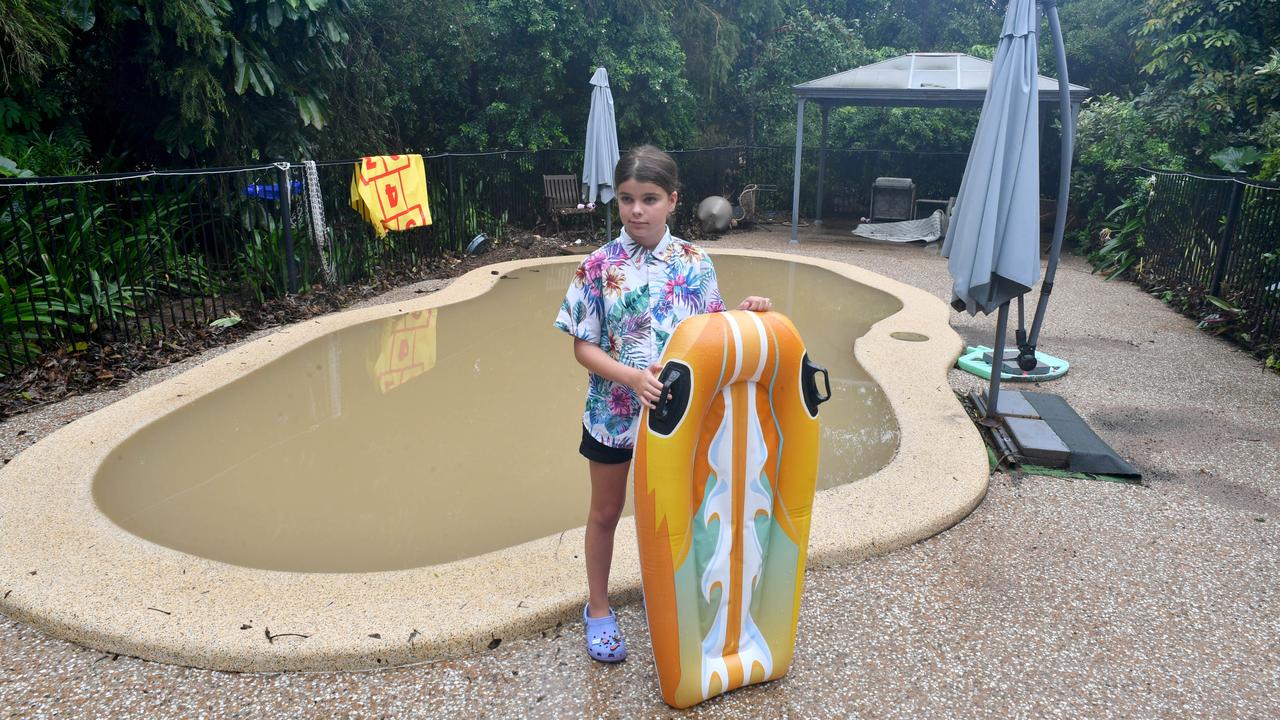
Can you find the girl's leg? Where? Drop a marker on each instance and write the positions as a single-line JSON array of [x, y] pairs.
[[608, 494]]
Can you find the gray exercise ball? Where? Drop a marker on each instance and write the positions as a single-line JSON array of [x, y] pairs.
[[715, 212]]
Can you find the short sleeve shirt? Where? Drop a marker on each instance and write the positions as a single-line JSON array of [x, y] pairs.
[[628, 300]]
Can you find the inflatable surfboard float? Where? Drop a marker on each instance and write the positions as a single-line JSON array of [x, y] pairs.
[[725, 469]]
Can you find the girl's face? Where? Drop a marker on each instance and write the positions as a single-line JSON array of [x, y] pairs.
[[644, 207]]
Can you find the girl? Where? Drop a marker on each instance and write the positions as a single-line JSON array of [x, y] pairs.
[[624, 302]]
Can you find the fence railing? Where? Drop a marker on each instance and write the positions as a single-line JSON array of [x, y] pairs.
[[1219, 236], [134, 256]]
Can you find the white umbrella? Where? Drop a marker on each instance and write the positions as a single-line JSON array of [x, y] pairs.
[[993, 241], [601, 156]]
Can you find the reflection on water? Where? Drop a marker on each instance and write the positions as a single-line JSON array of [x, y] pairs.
[[417, 440], [406, 349]]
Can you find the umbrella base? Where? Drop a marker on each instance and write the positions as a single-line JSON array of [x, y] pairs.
[[977, 360]]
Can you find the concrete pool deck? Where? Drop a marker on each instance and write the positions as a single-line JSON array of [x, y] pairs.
[[67, 569], [1055, 598]]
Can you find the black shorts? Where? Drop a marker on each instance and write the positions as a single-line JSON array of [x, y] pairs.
[[593, 449]]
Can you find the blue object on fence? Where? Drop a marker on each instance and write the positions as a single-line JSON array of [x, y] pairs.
[[272, 191]]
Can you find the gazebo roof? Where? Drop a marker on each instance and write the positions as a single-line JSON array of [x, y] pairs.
[[919, 79]]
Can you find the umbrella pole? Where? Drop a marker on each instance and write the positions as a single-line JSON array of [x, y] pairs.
[[1027, 351], [997, 359], [608, 224], [822, 165], [1020, 335], [795, 188]]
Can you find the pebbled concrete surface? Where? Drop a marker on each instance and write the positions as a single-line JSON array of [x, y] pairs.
[[1055, 598]]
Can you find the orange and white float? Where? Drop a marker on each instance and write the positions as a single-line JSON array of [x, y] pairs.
[[726, 467]]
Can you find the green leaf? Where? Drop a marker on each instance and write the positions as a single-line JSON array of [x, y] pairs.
[[275, 15], [1236, 159], [231, 320], [242, 74], [317, 116], [304, 111], [267, 79], [1121, 267], [10, 168], [1221, 304], [79, 13], [255, 80]]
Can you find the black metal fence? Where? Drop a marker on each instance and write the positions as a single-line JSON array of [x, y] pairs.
[[132, 256], [846, 186], [1218, 236]]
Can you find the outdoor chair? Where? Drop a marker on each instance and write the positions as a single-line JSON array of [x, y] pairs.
[[745, 212], [563, 195], [893, 198]]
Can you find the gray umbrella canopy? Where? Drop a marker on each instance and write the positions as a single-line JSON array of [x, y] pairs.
[[993, 241], [602, 142]]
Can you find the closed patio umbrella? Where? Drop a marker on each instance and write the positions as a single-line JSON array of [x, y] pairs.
[[601, 155], [993, 241]]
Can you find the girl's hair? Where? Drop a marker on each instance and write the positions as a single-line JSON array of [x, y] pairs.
[[647, 164]]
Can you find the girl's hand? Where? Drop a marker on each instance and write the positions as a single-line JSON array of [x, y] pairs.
[[645, 384], [755, 303]]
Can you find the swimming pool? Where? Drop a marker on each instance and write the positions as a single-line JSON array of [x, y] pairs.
[[398, 483]]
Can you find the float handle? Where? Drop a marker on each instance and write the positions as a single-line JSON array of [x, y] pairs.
[[813, 397]]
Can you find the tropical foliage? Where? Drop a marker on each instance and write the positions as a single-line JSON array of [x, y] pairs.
[[68, 271], [92, 86], [1114, 138], [107, 84], [1214, 73], [182, 82]]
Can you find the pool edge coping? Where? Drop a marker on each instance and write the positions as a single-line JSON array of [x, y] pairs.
[[938, 475]]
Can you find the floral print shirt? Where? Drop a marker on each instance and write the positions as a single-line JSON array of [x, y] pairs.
[[628, 300]]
